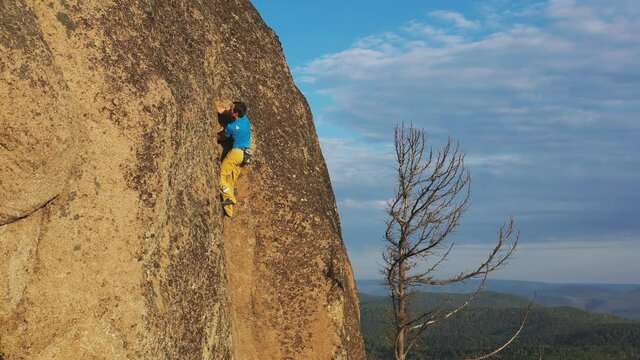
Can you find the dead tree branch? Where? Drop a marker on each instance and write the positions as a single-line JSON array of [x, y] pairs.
[[431, 196]]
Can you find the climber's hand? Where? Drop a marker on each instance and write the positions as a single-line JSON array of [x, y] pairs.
[[221, 106]]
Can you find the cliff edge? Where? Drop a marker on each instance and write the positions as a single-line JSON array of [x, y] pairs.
[[112, 240]]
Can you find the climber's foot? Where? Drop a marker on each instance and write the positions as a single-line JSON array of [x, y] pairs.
[[228, 210], [227, 205]]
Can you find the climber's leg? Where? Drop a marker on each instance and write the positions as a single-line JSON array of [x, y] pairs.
[[229, 173]]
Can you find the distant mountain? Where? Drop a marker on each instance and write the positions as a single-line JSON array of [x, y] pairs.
[[618, 299], [556, 332], [594, 299], [635, 291]]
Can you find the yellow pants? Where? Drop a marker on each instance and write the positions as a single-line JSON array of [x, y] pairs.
[[229, 172]]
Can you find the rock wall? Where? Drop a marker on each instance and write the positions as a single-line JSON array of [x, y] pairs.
[[112, 240]]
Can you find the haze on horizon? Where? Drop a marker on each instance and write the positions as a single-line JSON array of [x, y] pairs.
[[542, 95]]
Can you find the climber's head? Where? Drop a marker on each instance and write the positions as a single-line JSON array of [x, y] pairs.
[[239, 109]]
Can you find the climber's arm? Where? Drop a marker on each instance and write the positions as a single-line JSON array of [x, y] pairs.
[[221, 136]]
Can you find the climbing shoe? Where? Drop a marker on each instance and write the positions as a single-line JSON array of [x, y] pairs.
[[226, 202], [227, 206]]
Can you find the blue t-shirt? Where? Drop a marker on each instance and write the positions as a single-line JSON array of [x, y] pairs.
[[240, 131]]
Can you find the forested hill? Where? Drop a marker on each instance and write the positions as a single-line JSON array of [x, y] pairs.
[[617, 299], [557, 332]]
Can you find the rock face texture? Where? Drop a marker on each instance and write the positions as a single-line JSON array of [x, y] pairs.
[[112, 240]]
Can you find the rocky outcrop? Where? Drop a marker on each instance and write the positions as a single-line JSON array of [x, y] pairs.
[[112, 240]]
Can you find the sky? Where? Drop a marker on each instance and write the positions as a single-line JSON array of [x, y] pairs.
[[543, 97]]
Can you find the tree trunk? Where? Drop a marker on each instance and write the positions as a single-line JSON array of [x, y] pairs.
[[400, 343]]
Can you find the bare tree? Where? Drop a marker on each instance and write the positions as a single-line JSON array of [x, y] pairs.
[[431, 197]]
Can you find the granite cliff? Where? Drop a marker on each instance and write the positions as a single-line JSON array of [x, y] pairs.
[[112, 240]]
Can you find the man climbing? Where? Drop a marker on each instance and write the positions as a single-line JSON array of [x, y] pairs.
[[239, 131]]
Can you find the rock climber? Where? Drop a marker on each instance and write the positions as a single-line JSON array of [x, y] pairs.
[[238, 129]]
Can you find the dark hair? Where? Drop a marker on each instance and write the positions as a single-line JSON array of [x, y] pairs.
[[240, 108]]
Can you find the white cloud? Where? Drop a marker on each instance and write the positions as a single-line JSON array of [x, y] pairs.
[[496, 164], [357, 163], [496, 13], [613, 20], [307, 80], [546, 72], [431, 33], [365, 261], [456, 18], [543, 98], [495, 160], [362, 204], [576, 261], [580, 17]]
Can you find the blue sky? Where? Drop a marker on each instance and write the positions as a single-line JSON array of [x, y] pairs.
[[542, 95]]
